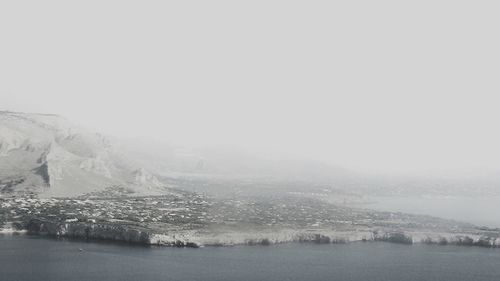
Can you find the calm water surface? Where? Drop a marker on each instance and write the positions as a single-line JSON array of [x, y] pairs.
[[25, 258], [482, 211]]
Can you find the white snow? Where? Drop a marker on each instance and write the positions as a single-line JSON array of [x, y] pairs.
[[77, 161]]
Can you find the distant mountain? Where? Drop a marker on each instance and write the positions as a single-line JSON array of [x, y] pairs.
[[47, 154], [168, 160], [50, 155]]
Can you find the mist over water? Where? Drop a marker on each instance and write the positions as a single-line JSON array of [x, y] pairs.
[[481, 211]]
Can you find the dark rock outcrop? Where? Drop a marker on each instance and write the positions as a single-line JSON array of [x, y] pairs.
[[395, 237], [89, 231], [43, 172]]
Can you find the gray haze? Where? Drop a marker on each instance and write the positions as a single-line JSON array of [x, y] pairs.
[[373, 85]]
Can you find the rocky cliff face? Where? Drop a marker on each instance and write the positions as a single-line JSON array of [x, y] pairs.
[[48, 154], [89, 231]]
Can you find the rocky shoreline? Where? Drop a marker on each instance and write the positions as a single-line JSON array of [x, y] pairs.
[[142, 236], [192, 220], [88, 231]]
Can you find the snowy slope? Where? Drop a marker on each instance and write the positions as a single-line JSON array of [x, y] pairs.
[[47, 154], [50, 155]]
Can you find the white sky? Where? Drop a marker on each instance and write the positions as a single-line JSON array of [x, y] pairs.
[[377, 85]]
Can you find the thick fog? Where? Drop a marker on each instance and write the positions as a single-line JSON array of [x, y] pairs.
[[384, 86]]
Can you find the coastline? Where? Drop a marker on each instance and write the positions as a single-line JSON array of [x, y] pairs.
[[193, 221], [191, 239]]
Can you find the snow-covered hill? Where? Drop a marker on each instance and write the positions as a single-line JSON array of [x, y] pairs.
[[48, 154]]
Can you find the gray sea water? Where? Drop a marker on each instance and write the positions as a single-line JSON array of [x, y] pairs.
[[24, 258], [481, 211]]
